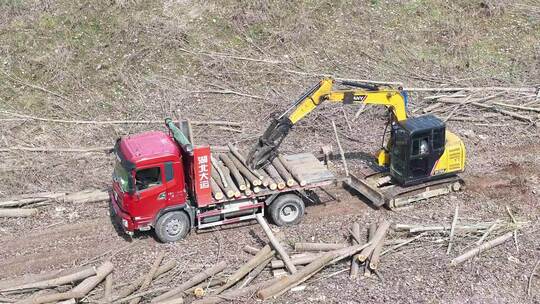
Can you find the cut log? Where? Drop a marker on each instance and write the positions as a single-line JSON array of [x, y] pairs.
[[272, 172], [137, 283], [226, 190], [452, 229], [107, 295], [267, 180], [196, 279], [297, 175], [231, 183], [79, 291], [242, 159], [264, 254], [86, 196], [216, 190], [297, 259], [56, 281], [33, 278], [340, 150], [377, 249], [301, 247], [248, 190], [234, 171], [276, 244], [254, 180], [477, 250], [232, 295], [216, 166], [379, 235], [251, 250], [254, 273], [371, 233], [355, 264], [287, 177], [13, 212], [147, 279], [288, 282]]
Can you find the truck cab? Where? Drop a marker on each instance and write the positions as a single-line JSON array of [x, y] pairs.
[[148, 179]]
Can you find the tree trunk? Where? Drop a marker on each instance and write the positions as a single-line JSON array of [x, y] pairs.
[[287, 177], [219, 171], [33, 278], [251, 250], [232, 295], [216, 191], [254, 180], [77, 292], [57, 281], [147, 279], [234, 171], [227, 190], [355, 264], [276, 244], [280, 183], [264, 254], [241, 158], [371, 233], [254, 273], [297, 259], [196, 279], [300, 247], [291, 169], [375, 256], [137, 283], [12, 212], [107, 296]]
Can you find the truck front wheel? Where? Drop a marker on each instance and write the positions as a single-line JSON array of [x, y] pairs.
[[287, 210], [172, 226]]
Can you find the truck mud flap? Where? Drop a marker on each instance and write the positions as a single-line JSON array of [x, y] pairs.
[[364, 188]]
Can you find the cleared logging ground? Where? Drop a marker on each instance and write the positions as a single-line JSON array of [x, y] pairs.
[[239, 62]]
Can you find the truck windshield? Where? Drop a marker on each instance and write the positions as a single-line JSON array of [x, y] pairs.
[[122, 176]]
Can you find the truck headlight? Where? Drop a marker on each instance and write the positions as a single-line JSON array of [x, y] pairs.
[[125, 223]]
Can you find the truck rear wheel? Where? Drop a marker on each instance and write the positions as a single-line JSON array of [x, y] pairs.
[[172, 226], [287, 210]]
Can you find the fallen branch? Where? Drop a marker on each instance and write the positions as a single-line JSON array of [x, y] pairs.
[[477, 250]]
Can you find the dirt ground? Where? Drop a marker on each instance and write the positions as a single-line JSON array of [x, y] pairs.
[[241, 61]]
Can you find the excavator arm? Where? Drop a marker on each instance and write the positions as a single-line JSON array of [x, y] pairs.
[[267, 145]]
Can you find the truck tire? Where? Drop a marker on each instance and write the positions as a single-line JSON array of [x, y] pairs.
[[287, 210], [172, 226]]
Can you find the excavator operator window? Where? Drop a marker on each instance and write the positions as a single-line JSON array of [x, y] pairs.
[[438, 139], [420, 146]]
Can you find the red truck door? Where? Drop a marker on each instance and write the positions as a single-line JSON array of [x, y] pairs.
[[151, 192]]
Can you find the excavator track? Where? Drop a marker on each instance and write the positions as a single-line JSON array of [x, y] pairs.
[[377, 186]]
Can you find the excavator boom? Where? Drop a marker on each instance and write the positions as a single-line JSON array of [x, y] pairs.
[[266, 148]]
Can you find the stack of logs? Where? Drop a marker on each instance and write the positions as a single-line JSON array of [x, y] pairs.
[[232, 177], [27, 205]]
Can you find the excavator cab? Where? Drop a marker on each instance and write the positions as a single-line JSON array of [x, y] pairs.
[[417, 145]]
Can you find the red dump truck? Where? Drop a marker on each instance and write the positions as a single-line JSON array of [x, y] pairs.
[[162, 182]]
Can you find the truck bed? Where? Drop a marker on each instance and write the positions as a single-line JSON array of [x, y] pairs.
[[313, 172]]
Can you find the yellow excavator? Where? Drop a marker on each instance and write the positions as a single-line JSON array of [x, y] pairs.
[[421, 158]]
